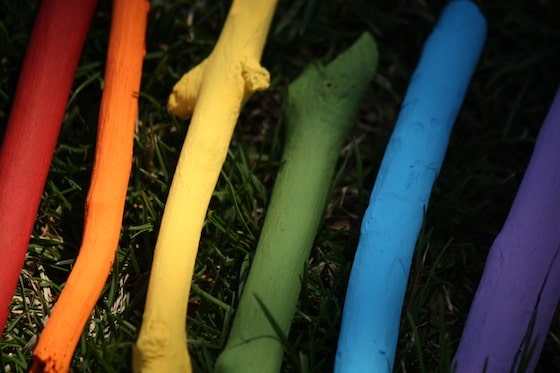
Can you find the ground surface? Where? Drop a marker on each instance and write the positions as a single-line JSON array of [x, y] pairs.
[[488, 152]]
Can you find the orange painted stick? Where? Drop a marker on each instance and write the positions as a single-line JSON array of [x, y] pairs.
[[106, 197]]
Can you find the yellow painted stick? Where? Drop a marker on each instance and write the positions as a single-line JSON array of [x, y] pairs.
[[217, 87]]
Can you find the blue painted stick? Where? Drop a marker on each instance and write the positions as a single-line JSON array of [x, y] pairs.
[[520, 287], [410, 166]]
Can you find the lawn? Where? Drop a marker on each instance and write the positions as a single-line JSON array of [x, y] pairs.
[[489, 148]]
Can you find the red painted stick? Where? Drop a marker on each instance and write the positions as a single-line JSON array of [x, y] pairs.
[[37, 112]]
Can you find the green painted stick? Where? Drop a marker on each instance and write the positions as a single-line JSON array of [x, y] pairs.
[[321, 109]]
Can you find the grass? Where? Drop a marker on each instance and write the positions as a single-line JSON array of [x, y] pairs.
[[488, 152]]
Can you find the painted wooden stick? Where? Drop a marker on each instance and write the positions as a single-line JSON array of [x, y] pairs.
[[107, 193], [39, 104], [520, 287], [218, 86], [322, 105], [409, 168]]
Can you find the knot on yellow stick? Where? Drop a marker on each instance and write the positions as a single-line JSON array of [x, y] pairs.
[[151, 349], [184, 96], [256, 78], [155, 345]]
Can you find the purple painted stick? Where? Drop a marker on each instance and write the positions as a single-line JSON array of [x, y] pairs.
[[520, 288]]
